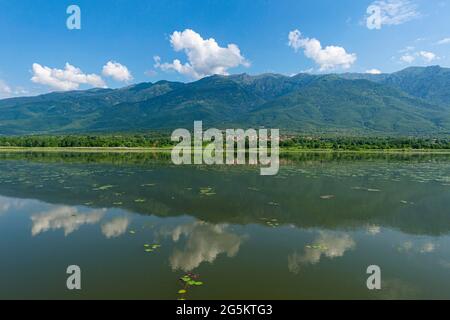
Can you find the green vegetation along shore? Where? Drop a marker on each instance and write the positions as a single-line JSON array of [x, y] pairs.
[[158, 142]]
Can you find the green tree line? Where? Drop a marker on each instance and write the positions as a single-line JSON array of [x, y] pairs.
[[365, 143], [163, 140], [71, 141]]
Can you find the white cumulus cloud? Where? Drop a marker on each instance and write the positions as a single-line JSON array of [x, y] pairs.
[[330, 57], [444, 41], [117, 71], [427, 56], [205, 56], [373, 71], [390, 12], [65, 79], [407, 58], [6, 91]]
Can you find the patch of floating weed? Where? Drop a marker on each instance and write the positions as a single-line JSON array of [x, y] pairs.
[[366, 189], [317, 247], [151, 247], [271, 222], [188, 281], [207, 191], [102, 188]]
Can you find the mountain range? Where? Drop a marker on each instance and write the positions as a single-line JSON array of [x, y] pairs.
[[414, 101]]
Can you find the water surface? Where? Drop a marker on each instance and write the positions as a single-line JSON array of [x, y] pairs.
[[136, 224]]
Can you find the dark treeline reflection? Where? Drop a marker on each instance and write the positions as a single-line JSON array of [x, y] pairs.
[[356, 156], [90, 157], [323, 190], [164, 157]]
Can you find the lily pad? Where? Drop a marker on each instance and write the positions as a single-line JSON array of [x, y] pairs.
[[207, 191], [104, 187]]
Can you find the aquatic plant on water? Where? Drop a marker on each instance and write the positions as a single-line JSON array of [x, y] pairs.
[[188, 281]]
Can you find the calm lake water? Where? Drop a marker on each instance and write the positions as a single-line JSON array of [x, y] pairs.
[[136, 224]]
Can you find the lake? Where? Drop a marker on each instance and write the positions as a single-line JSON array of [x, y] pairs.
[[142, 228]]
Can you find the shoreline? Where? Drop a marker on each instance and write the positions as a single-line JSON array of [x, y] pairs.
[[168, 150]]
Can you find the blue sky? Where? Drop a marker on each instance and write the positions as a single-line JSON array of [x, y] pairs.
[[281, 36]]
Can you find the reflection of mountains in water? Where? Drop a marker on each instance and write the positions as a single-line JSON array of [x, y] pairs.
[[333, 191]]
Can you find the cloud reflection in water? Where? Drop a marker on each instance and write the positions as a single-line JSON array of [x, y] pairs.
[[64, 217], [204, 242], [327, 244], [116, 227]]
